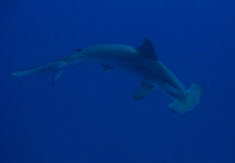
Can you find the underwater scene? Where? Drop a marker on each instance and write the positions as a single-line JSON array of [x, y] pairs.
[[121, 81]]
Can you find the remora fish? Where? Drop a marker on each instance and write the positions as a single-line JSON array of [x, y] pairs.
[[141, 61]]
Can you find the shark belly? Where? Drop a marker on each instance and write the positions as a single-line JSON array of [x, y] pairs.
[[158, 74], [169, 83]]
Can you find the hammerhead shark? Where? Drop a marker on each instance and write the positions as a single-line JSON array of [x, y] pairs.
[[141, 61]]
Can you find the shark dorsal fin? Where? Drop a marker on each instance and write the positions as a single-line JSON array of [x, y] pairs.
[[146, 50]]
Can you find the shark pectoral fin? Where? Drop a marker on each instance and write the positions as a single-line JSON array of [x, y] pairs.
[[56, 75], [107, 68], [144, 89]]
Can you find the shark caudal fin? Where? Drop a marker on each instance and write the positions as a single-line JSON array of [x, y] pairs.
[[54, 67], [191, 101]]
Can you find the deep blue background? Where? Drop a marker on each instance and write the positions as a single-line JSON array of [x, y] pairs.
[[89, 115]]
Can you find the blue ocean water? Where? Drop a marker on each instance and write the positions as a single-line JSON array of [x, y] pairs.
[[89, 115]]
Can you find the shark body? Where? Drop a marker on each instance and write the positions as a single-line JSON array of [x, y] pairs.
[[141, 61]]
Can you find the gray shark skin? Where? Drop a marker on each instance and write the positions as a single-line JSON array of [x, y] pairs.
[[141, 61]]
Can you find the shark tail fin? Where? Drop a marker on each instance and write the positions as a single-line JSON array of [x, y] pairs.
[[191, 101], [54, 67], [24, 72]]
